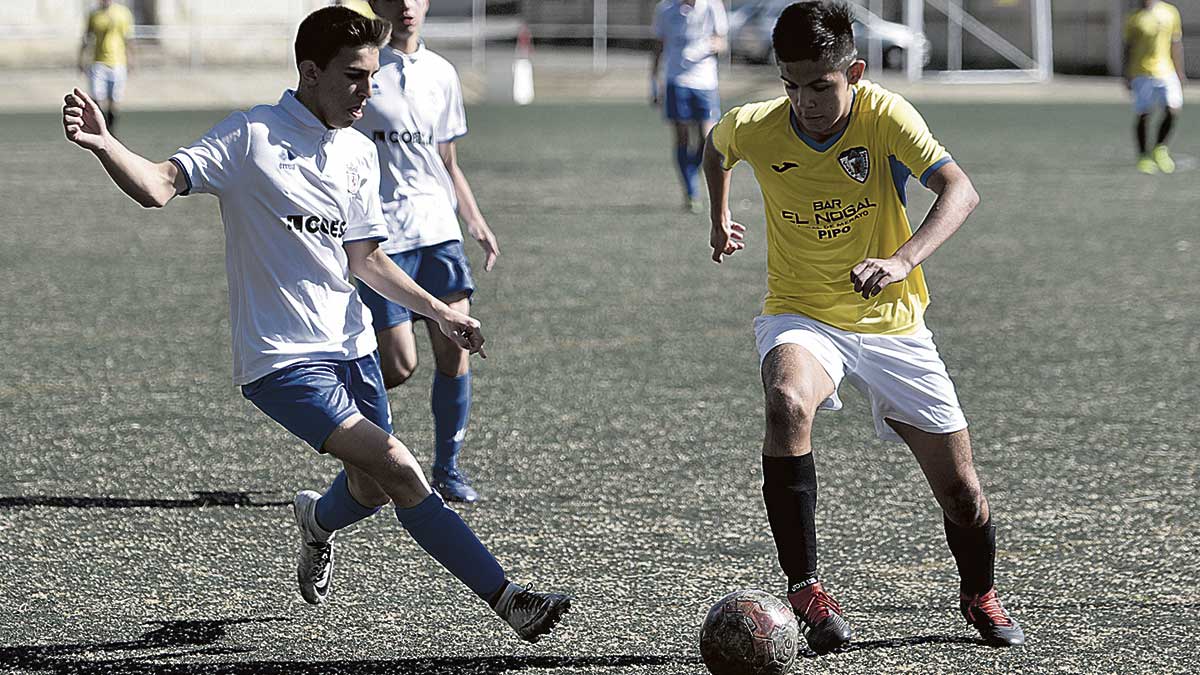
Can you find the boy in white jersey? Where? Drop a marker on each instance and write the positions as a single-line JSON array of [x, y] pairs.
[[300, 204], [690, 34], [846, 299], [415, 115]]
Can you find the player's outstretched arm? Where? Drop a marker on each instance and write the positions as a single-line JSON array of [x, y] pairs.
[[468, 208], [726, 235], [369, 263], [148, 183], [956, 200]]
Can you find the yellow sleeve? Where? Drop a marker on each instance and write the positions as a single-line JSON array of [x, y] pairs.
[[1177, 30], [724, 138], [906, 136], [1127, 33]]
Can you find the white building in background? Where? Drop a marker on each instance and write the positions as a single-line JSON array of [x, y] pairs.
[[45, 33]]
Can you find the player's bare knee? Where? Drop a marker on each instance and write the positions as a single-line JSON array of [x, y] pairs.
[[398, 472], [788, 409], [366, 490], [964, 504], [396, 373]]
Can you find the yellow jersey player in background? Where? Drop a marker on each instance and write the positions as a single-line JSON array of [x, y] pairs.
[[1154, 75], [846, 299], [109, 29]]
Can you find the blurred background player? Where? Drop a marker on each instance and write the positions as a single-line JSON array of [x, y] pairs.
[[846, 299], [690, 34], [415, 115], [300, 203], [1154, 74], [361, 6], [108, 30]]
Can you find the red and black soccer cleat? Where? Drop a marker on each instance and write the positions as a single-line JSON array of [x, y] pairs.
[[989, 617], [820, 618]]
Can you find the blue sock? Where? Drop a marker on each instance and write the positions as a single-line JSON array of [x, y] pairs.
[[450, 400], [337, 508], [683, 160], [443, 535]]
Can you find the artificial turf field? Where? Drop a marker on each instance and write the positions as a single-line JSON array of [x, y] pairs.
[[145, 524]]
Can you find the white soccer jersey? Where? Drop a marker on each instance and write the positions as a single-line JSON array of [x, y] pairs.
[[292, 192], [416, 102], [686, 31]]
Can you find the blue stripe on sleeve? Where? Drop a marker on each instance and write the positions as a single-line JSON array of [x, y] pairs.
[[936, 165], [186, 177], [372, 238]]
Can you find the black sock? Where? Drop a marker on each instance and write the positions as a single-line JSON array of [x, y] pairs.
[[790, 493], [974, 550], [1164, 129]]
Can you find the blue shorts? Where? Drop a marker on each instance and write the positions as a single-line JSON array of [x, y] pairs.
[[684, 104], [442, 270], [312, 398]]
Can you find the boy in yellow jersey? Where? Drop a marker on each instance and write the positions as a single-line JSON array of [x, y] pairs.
[[846, 296], [1154, 75], [108, 28]]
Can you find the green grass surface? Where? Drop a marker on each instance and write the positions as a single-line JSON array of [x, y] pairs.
[[617, 422]]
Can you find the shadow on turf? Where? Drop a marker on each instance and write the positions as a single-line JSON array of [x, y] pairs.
[[185, 639], [198, 500]]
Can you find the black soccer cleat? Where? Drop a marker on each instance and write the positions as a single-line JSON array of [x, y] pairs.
[[530, 613], [820, 618], [989, 617]]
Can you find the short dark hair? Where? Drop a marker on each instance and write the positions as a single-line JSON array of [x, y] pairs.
[[815, 30], [326, 31]]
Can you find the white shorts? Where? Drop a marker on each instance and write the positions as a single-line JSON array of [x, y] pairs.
[[1156, 92], [902, 375], [107, 82]]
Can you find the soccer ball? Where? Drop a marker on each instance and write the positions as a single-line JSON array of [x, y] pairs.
[[749, 632]]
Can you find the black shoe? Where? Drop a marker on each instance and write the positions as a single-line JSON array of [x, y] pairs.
[[989, 617], [820, 618], [530, 613]]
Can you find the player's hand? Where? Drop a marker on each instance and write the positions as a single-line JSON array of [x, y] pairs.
[[83, 122], [463, 331], [873, 274], [1128, 83], [481, 233], [726, 238]]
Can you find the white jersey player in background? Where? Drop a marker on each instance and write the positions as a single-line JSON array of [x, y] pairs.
[[414, 116]]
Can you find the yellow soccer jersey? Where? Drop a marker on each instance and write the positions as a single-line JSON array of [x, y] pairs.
[[831, 205], [1149, 34], [110, 28]]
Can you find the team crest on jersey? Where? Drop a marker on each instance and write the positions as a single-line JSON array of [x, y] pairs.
[[354, 180], [857, 163]]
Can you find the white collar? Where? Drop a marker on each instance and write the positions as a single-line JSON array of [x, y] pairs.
[[291, 105], [414, 56]]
